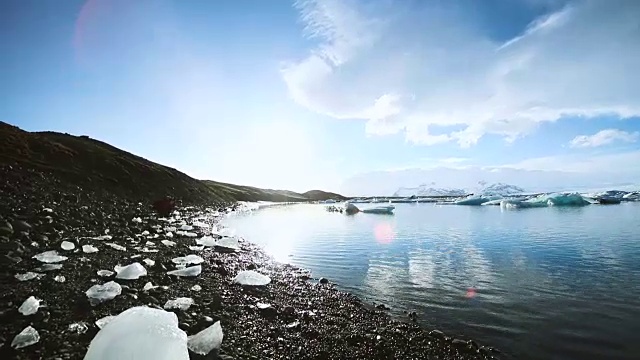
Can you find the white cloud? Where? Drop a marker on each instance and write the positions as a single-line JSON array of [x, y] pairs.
[[603, 137], [405, 70]]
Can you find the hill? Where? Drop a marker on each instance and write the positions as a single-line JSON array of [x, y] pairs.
[[97, 166]]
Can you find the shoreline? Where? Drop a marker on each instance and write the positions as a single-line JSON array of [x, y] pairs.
[[305, 319]]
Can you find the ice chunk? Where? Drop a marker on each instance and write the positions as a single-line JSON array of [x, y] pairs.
[[67, 245], [136, 220], [168, 243], [149, 286], [29, 306], [60, 278], [140, 333], [103, 237], [50, 256], [105, 273], [100, 293], [201, 224], [251, 278], [186, 227], [228, 243], [130, 272], [149, 262], [170, 229], [49, 267], [79, 327], [89, 249], [226, 232], [116, 246], [196, 288], [28, 276], [102, 322], [190, 271], [150, 243], [169, 234], [206, 340], [262, 306], [27, 337], [182, 303], [196, 248], [189, 259], [206, 241], [145, 233], [47, 210]]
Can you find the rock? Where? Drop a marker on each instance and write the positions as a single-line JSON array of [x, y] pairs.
[[28, 336], [6, 229], [164, 206], [323, 281], [21, 225], [459, 343], [206, 340], [382, 307], [100, 293]]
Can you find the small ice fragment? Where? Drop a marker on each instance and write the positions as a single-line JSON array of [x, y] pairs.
[[105, 273], [196, 288], [135, 256], [228, 243], [206, 241], [206, 340], [103, 237], [190, 271], [196, 248], [28, 336], [149, 262], [29, 306], [145, 233], [168, 243], [50, 256], [251, 278], [262, 306], [186, 227], [89, 249], [147, 250], [100, 293], [182, 303], [130, 272], [28, 276], [149, 286], [169, 234], [47, 210], [170, 229], [140, 333], [60, 278], [293, 324], [189, 259], [102, 322], [106, 231], [79, 327], [49, 267], [150, 243], [116, 246], [67, 245], [136, 220]]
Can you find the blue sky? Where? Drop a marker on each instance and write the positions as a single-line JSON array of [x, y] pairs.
[[318, 94]]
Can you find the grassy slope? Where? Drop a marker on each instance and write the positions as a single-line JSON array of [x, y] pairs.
[[93, 164]]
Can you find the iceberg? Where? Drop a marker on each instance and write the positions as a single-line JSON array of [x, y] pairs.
[[49, 267], [189, 271], [29, 306], [98, 294], [251, 278], [206, 241], [102, 322], [67, 245], [28, 336], [28, 276], [89, 249], [104, 273], [182, 303], [50, 256], [189, 259], [116, 246], [149, 286], [228, 243], [196, 247], [140, 333], [186, 227], [148, 261], [473, 200], [168, 243], [545, 200], [206, 340], [130, 272]]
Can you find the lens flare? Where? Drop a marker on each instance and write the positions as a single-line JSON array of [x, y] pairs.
[[471, 293], [384, 233]]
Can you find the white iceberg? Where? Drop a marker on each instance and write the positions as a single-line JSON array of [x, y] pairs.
[[130, 272], [50, 256], [182, 303], [116, 246], [251, 278], [67, 245], [190, 271], [98, 294], [102, 322], [140, 333], [89, 249], [189, 259], [28, 336], [28, 276], [29, 306], [206, 340], [206, 241], [105, 273]]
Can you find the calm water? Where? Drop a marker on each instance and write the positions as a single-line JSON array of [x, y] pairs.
[[550, 283]]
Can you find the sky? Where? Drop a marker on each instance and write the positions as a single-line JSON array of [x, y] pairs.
[[355, 96]]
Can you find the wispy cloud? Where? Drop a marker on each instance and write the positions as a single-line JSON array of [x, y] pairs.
[[405, 71], [604, 137]]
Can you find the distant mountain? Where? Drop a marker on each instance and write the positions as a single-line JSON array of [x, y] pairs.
[[502, 189], [429, 190]]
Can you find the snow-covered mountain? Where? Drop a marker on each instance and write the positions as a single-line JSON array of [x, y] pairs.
[[489, 190]]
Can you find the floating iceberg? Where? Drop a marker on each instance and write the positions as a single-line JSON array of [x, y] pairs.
[[206, 340], [251, 278], [98, 294], [189, 259], [50, 256], [190, 271], [116, 246], [67, 245], [89, 249], [26, 337], [28, 276], [29, 306], [182, 303], [140, 333], [559, 199], [130, 272]]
